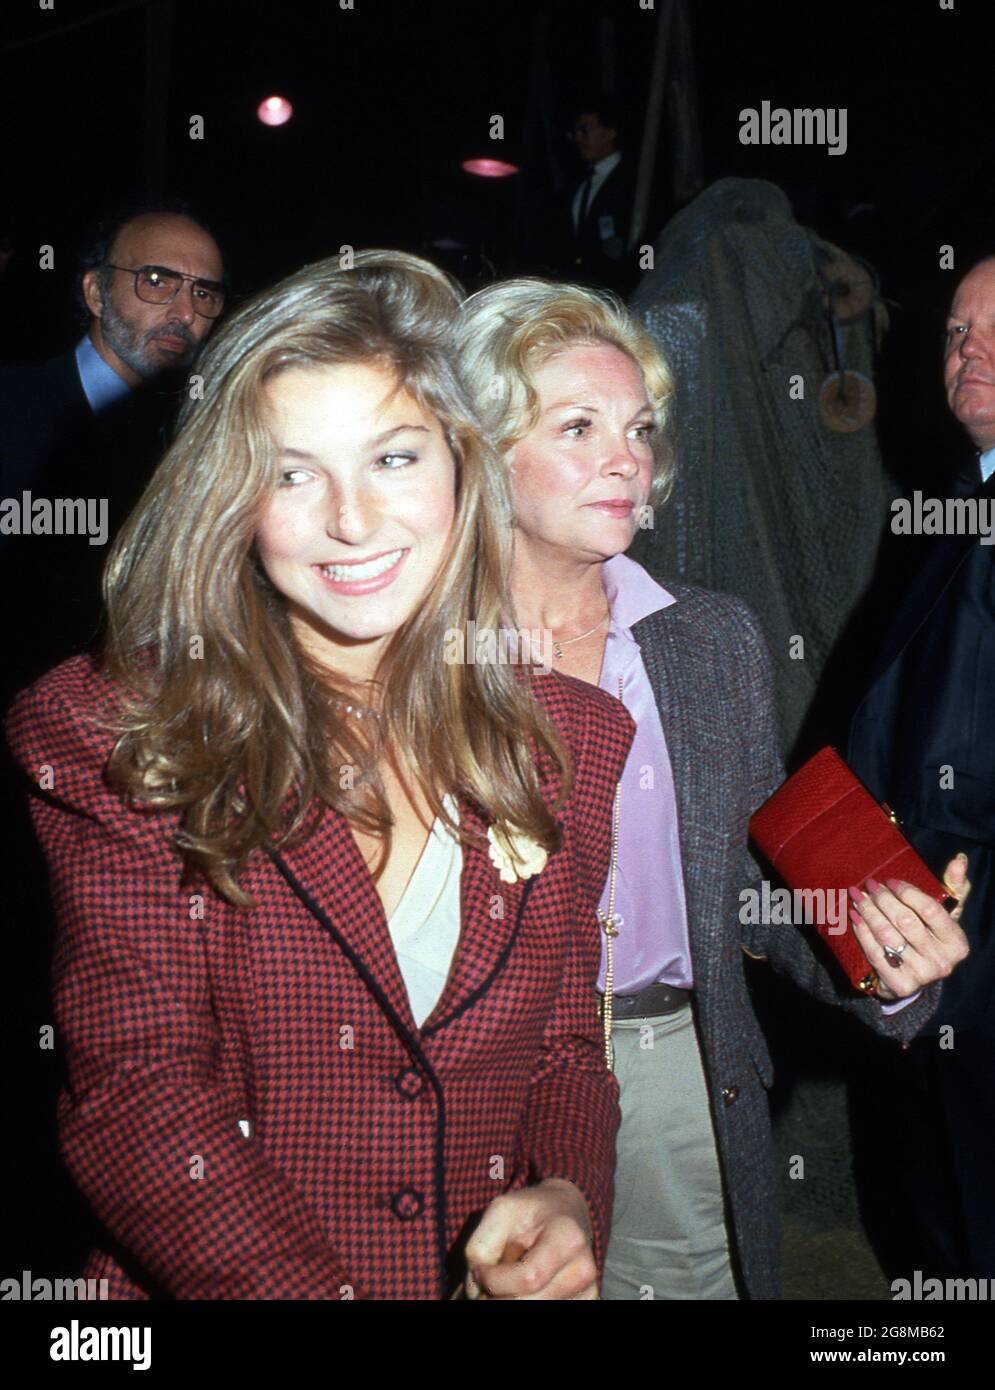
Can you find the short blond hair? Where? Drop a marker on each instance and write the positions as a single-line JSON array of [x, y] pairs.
[[509, 329]]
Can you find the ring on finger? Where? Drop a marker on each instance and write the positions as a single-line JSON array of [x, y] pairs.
[[893, 954]]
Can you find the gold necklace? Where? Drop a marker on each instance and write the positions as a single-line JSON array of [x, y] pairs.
[[611, 922], [558, 646]]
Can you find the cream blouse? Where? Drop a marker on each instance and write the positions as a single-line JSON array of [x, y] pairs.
[[425, 924]]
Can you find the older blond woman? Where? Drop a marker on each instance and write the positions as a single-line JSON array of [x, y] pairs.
[[573, 393]]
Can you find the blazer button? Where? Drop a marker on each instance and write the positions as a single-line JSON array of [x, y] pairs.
[[729, 1094], [409, 1083], [407, 1204]]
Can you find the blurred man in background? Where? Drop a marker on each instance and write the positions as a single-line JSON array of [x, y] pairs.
[[923, 740], [93, 422]]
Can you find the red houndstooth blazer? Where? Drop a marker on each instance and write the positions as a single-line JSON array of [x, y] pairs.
[[250, 1110]]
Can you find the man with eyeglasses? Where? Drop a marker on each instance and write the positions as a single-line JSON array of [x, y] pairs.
[[93, 422], [153, 298], [88, 425]]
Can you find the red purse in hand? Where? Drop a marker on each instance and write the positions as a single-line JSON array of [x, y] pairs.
[[823, 830]]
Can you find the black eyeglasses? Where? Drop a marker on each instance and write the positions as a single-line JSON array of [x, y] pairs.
[[155, 284]]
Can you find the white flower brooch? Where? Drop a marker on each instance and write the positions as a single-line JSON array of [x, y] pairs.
[[514, 855]]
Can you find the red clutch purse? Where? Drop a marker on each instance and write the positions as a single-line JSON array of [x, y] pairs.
[[822, 830]]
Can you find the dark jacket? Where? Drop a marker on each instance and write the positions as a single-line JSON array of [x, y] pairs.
[[923, 739], [52, 446], [711, 674], [595, 253]]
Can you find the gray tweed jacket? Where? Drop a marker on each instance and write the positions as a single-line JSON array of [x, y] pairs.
[[710, 670]]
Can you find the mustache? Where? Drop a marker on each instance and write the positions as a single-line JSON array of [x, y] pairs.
[[172, 330]]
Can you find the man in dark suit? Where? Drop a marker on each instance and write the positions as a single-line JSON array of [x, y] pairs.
[[923, 740], [598, 210], [91, 423]]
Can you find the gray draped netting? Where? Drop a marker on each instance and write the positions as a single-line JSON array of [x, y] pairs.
[[769, 503]]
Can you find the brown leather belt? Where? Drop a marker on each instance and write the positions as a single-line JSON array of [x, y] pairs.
[[654, 999]]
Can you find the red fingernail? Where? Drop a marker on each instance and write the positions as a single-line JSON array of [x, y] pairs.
[[873, 886], [854, 915], [856, 894], [895, 884]]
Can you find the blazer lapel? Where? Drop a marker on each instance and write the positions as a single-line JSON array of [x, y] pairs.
[[490, 914], [329, 876], [670, 656]]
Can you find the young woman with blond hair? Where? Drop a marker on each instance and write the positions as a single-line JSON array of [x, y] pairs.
[[327, 941]]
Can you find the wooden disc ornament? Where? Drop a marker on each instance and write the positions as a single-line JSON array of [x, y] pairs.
[[847, 402], [853, 287]]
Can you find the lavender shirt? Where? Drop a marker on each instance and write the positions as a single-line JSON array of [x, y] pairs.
[[652, 945]]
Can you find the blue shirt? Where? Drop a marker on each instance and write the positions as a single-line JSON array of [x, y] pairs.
[[101, 384]]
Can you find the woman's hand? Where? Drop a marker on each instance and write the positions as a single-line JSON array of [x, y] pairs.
[[550, 1223], [909, 938]]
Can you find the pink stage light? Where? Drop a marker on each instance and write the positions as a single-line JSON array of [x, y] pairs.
[[489, 168], [274, 111]]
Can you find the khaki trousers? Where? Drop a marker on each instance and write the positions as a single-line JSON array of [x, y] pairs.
[[668, 1237]]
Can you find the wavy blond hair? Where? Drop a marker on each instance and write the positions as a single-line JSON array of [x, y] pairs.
[[223, 716], [509, 329]]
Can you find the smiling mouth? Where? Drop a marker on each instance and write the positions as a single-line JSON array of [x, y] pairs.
[[355, 571]]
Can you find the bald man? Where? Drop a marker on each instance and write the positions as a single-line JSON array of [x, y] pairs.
[[153, 297], [969, 368], [92, 423], [923, 740]]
